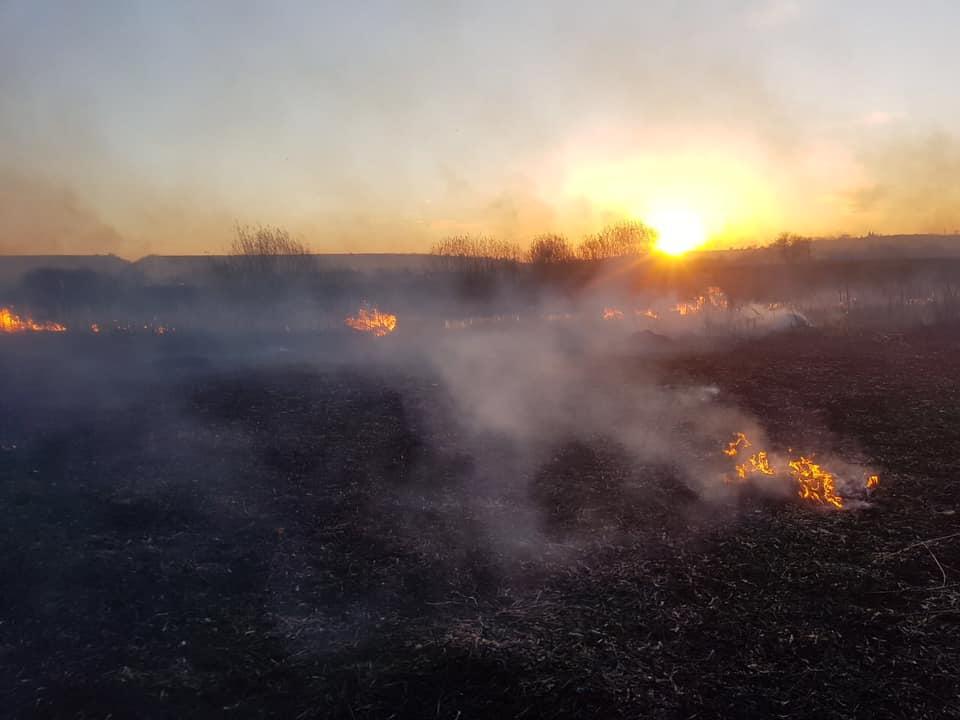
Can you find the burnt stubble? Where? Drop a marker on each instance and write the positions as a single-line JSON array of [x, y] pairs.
[[184, 537]]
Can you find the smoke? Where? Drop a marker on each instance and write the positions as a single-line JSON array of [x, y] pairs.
[[522, 397], [39, 218], [542, 126], [912, 184], [377, 475], [142, 140]]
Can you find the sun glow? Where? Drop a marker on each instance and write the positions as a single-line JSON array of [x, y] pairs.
[[694, 185], [678, 230]]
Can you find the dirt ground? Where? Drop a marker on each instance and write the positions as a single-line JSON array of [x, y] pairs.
[[292, 540]]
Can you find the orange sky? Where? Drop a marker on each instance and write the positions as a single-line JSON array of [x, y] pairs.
[[381, 127]]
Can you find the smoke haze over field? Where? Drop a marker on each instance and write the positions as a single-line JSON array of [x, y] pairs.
[[445, 359], [140, 128]]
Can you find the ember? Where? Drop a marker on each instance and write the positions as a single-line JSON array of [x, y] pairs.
[[371, 320], [126, 328], [10, 322]]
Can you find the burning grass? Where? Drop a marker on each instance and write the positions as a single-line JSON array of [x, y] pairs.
[[813, 482], [713, 298], [10, 322], [331, 560], [373, 321]]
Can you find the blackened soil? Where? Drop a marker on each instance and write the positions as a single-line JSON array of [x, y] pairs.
[[322, 541]]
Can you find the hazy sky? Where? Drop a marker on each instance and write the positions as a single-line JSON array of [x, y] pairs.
[[138, 127]]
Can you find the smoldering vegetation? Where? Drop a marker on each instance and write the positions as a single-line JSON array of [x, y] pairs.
[[513, 502], [269, 283]]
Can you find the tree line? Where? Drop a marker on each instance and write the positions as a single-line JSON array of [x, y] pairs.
[[631, 238]]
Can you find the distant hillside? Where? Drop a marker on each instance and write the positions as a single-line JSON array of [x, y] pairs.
[[13, 267], [869, 247], [172, 269], [162, 269], [183, 268], [876, 246]]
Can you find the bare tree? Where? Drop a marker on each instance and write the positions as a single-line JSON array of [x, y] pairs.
[[620, 240], [793, 248], [549, 249], [477, 251], [265, 259], [481, 264]]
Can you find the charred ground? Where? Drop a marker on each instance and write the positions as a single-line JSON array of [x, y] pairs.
[[291, 539]]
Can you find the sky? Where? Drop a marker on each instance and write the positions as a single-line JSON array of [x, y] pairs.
[[138, 127]]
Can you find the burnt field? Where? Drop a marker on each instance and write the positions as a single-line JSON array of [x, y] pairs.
[[309, 534]]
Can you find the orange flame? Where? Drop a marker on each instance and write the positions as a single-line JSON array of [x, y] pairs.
[[371, 320], [689, 308], [814, 483], [10, 322], [757, 463], [761, 464], [714, 298], [648, 313], [733, 447], [612, 314]]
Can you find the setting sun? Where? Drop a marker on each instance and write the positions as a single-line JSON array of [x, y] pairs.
[[678, 231]]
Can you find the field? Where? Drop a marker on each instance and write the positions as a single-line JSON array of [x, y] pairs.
[[315, 534]]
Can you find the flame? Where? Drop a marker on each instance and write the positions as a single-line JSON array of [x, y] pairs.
[[689, 308], [733, 447], [371, 320], [648, 313], [814, 482], [10, 322], [714, 298], [612, 314], [757, 463]]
